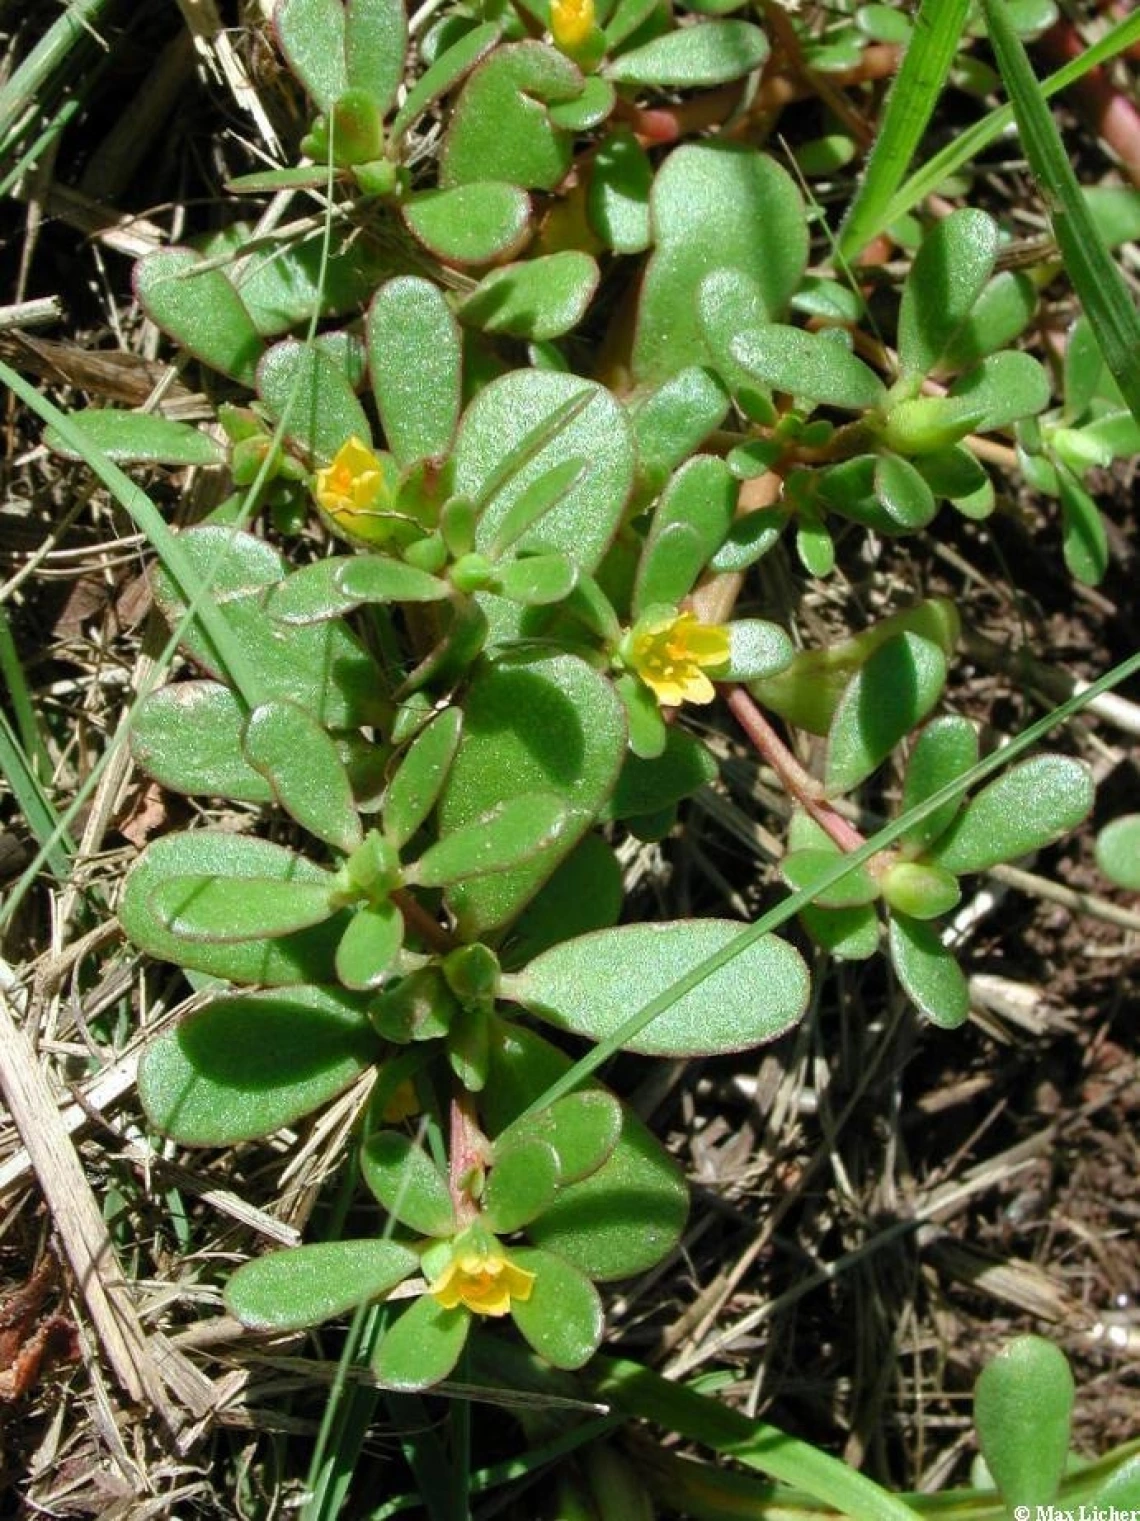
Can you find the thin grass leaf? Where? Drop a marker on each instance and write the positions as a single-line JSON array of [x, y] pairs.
[[1090, 266], [938, 28], [33, 802], [28, 83], [968, 144], [20, 697]]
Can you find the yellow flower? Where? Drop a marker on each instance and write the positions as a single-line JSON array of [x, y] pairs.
[[671, 653], [484, 1281], [353, 486], [571, 23]]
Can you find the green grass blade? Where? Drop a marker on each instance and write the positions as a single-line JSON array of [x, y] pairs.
[[968, 144], [20, 698], [33, 802], [50, 54], [938, 30], [641, 1393], [1088, 262]]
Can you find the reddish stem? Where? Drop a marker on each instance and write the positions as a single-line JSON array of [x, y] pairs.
[[468, 1156], [1108, 111], [798, 783]]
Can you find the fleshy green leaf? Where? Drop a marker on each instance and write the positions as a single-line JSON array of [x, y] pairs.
[[369, 945], [139, 438], [444, 72], [311, 35], [804, 867], [563, 1319], [511, 834], [303, 766], [499, 129], [538, 580], [407, 1183], [199, 309], [1003, 388], [242, 907], [583, 1129], [470, 223], [317, 592], [807, 365], [415, 359], [536, 298], [690, 523], [292, 959], [1024, 809], [501, 418], [920, 890], [1023, 1403], [306, 1285], [550, 725], [589, 109], [585, 985], [887, 697], [929, 974], [945, 750], [1001, 313], [421, 1347], [647, 786], [756, 649], [672, 422], [310, 388], [245, 1066], [714, 206], [904, 492], [944, 283], [585, 893], [1085, 536], [323, 667], [624, 1217], [522, 1184], [415, 787], [1118, 851], [693, 56], [617, 200], [375, 41], [188, 737]]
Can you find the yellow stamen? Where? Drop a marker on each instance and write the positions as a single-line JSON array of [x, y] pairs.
[[672, 653]]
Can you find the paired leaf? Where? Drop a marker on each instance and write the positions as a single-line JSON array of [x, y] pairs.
[[138, 438], [584, 985], [563, 1319], [247, 1065], [1026, 808], [888, 696], [929, 973], [307, 956], [200, 309], [714, 206], [306, 1285], [415, 360], [1023, 1404], [407, 1183]]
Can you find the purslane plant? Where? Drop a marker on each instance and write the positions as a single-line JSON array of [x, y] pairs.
[[460, 709]]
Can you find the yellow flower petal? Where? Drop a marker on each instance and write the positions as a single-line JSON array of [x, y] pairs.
[[571, 22], [483, 1282], [671, 653], [352, 485]]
